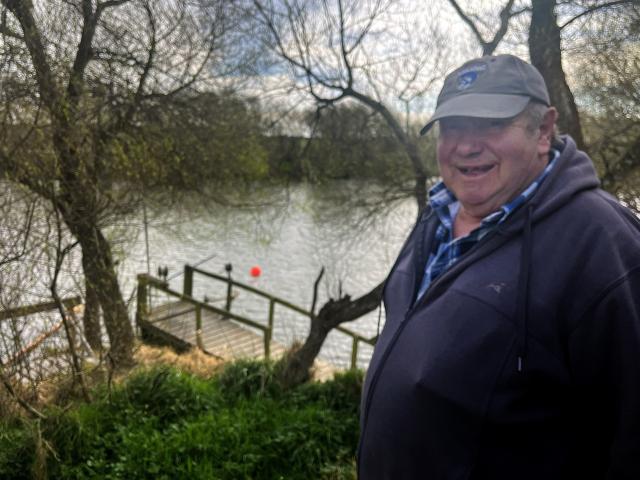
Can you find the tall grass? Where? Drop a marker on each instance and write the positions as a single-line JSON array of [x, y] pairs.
[[164, 424]]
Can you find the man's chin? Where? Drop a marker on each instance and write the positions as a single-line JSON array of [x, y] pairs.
[[478, 207]]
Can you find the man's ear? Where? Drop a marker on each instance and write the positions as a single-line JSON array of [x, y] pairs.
[[547, 129]]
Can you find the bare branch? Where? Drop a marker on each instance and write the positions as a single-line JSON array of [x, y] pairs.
[[488, 47], [595, 8], [465, 18], [316, 284]]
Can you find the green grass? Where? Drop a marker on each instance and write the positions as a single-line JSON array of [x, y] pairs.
[[164, 424]]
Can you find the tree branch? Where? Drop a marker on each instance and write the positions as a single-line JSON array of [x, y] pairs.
[[32, 36], [488, 47], [595, 8], [316, 284], [465, 18]]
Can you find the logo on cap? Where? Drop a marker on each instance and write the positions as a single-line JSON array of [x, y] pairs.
[[468, 76]]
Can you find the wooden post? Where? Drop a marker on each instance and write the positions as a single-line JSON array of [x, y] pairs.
[[141, 308], [187, 288], [199, 327], [229, 293], [354, 353], [269, 333]]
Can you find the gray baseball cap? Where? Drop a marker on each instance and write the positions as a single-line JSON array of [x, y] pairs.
[[498, 86]]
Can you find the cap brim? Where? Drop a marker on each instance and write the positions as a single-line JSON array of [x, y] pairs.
[[479, 105]]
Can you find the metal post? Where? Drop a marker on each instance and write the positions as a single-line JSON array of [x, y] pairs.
[[199, 327], [141, 308], [187, 288], [269, 333], [354, 353], [229, 268]]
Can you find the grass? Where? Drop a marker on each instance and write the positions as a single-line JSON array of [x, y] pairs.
[[163, 423]]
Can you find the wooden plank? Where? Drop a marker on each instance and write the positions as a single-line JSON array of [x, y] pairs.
[[175, 324]]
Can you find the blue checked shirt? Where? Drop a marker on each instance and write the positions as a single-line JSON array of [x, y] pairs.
[[446, 250]]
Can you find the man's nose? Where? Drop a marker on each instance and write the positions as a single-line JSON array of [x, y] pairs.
[[469, 143]]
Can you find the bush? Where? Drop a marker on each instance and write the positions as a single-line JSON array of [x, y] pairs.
[[17, 446], [166, 424], [248, 378]]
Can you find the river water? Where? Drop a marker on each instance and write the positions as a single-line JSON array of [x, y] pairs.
[[290, 237]]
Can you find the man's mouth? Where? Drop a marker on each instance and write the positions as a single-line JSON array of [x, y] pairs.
[[475, 171]]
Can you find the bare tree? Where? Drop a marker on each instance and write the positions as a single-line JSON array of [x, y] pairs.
[[78, 86], [328, 47], [332, 49], [31, 347]]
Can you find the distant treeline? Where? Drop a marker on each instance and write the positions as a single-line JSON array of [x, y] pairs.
[[219, 138]]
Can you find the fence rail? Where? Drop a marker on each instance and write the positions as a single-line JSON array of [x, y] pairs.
[[27, 310]]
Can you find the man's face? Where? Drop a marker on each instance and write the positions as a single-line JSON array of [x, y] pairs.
[[488, 162]]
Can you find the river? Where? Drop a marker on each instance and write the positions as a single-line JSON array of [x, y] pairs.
[[290, 237]]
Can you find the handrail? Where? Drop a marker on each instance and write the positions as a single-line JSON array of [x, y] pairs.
[[27, 310], [249, 288], [145, 281], [160, 285], [188, 291]]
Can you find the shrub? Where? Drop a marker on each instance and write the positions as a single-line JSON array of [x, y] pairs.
[[165, 424]]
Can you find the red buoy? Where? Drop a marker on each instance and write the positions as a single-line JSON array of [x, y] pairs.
[[255, 271]]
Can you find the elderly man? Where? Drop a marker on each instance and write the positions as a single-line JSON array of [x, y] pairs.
[[511, 348]]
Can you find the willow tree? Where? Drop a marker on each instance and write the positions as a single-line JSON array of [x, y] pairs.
[[75, 76]]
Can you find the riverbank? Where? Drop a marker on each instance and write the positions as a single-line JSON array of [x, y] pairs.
[[174, 419]]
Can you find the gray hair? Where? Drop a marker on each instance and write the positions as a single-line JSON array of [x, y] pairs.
[[534, 113]]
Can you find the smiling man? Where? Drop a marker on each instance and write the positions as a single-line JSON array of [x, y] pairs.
[[511, 348]]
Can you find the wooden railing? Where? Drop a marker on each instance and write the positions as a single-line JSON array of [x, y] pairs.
[[24, 311], [146, 281]]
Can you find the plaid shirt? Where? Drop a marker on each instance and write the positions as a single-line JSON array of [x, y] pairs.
[[447, 250]]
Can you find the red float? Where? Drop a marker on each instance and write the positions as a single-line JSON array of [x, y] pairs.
[[255, 271]]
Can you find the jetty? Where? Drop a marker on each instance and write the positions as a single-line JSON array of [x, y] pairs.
[[182, 321]]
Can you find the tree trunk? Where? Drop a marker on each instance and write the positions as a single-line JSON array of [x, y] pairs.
[[297, 365], [91, 317], [546, 54], [100, 272]]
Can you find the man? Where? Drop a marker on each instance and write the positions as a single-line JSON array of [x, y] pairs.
[[511, 348]]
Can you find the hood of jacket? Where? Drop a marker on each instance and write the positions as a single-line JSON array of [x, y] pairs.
[[573, 173]]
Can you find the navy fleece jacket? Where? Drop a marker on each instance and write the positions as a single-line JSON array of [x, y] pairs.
[[522, 361]]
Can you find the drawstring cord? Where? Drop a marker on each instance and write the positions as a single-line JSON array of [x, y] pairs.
[[523, 288]]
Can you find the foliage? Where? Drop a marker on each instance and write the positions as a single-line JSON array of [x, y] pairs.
[[353, 142], [348, 141], [192, 141], [608, 87], [165, 424], [16, 452]]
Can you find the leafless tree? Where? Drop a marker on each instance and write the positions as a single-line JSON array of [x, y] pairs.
[[32, 349], [330, 49], [375, 52], [75, 76]]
